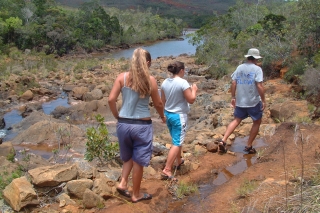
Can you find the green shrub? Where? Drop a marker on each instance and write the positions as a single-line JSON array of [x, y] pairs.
[[6, 178], [98, 144], [185, 189], [310, 80], [10, 156], [298, 67], [246, 188]]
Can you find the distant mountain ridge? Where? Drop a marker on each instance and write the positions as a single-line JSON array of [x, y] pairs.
[[194, 6], [195, 13]]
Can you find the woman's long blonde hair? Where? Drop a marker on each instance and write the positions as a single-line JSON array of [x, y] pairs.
[[139, 78]]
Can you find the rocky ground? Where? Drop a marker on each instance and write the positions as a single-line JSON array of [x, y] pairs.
[[286, 158]]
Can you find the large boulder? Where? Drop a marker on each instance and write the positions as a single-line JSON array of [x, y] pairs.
[[77, 188], [83, 110], [20, 193], [27, 95], [95, 94], [290, 111], [91, 200], [47, 131], [78, 92], [53, 175], [103, 187]]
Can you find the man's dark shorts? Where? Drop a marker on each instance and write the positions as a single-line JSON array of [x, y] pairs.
[[135, 140], [254, 112]]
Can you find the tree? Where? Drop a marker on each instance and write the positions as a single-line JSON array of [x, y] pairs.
[[309, 35], [13, 23]]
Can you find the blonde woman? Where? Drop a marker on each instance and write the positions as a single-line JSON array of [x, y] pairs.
[[134, 127]]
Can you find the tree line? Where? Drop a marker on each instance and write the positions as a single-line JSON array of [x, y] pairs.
[[287, 33], [277, 28], [43, 25]]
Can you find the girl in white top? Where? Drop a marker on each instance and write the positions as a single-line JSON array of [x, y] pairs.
[[176, 94]]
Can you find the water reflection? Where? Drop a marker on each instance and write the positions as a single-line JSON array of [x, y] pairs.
[[225, 174], [162, 48], [11, 118], [50, 106], [14, 116]]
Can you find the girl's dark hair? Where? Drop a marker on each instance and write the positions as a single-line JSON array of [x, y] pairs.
[[175, 67]]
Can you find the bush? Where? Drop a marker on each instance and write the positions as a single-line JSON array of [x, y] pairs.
[[6, 178], [98, 144], [310, 80], [185, 189], [298, 68]]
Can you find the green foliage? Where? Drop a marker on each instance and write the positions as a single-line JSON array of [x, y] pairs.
[[271, 26], [6, 178], [185, 189], [98, 144], [195, 13], [309, 33], [10, 156], [141, 26], [44, 26], [310, 80], [246, 188], [297, 68]]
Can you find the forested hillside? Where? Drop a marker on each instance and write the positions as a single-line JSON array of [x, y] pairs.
[[287, 33], [44, 26], [194, 12]]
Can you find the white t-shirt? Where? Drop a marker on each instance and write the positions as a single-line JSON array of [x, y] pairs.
[[173, 90], [246, 76]]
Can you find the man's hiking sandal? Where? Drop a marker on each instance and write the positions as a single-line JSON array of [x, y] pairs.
[[222, 146], [250, 150]]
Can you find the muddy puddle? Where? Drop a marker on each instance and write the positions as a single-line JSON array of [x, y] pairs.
[[206, 187]]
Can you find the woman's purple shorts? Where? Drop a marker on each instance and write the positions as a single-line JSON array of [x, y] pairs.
[[135, 140]]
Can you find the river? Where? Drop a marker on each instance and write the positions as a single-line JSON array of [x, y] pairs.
[[172, 47]]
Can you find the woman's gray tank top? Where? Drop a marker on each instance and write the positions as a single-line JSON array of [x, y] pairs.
[[132, 105]]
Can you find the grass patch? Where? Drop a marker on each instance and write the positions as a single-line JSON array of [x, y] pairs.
[[246, 188], [6, 178], [185, 189]]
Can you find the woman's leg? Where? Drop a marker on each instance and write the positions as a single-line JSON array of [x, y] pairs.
[[136, 180], [126, 169]]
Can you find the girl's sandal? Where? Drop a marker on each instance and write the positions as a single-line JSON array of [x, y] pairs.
[[179, 166], [167, 177]]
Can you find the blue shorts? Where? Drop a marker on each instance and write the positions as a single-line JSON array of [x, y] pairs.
[[135, 140], [254, 112], [177, 125]]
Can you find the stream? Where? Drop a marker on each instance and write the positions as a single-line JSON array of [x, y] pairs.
[[193, 203], [172, 47], [158, 49]]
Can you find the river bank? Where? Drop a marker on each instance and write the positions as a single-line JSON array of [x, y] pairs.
[[87, 92]]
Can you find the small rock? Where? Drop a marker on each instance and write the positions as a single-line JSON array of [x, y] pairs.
[[212, 147]]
